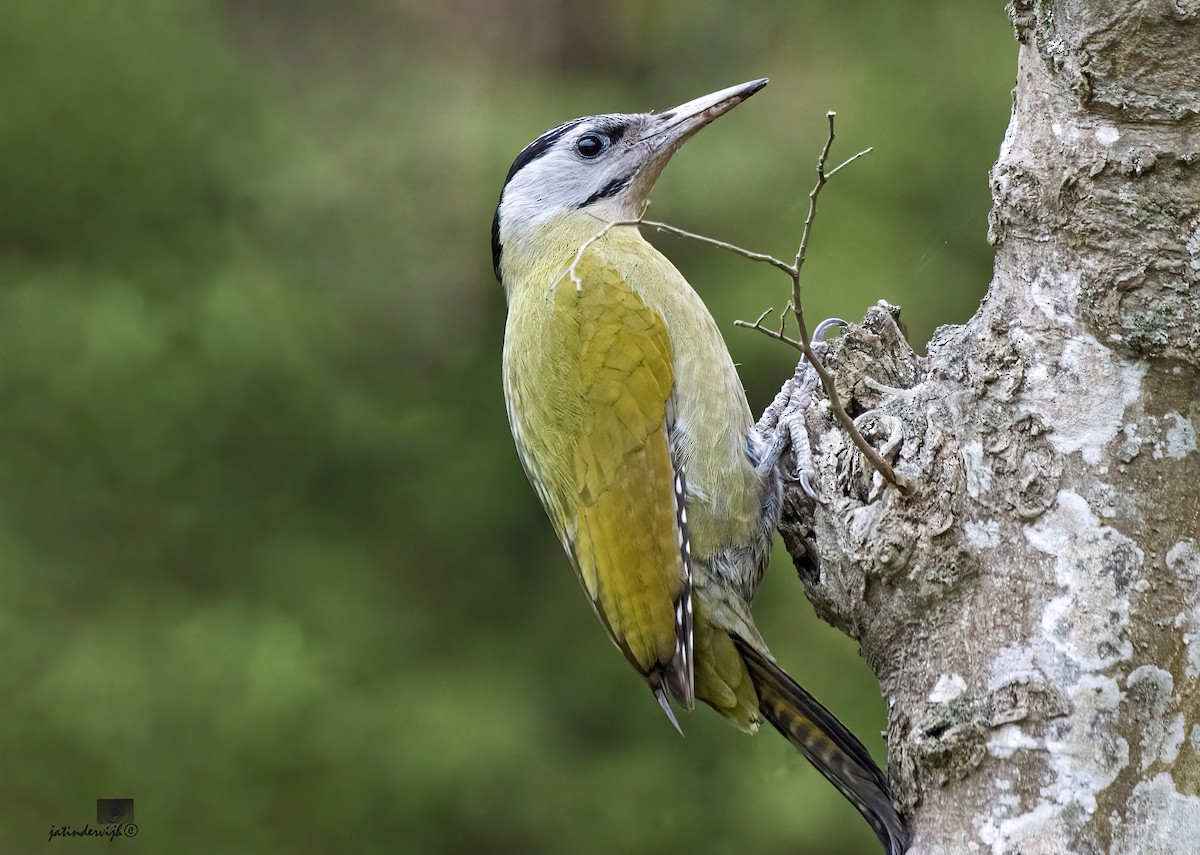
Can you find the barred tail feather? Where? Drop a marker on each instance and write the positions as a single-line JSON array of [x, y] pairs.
[[828, 745]]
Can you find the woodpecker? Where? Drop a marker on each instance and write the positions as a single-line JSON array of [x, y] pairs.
[[633, 427]]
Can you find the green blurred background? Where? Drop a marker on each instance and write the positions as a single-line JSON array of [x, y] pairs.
[[269, 563]]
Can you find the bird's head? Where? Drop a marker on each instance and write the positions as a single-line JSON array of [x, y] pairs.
[[600, 166]]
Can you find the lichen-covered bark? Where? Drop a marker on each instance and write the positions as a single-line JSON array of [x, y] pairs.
[[1032, 608]]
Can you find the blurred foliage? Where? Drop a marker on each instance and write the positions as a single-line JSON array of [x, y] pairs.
[[270, 565]]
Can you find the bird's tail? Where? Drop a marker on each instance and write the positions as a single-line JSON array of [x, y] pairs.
[[827, 744]]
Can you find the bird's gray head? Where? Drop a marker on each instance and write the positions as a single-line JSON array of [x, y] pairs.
[[602, 166]]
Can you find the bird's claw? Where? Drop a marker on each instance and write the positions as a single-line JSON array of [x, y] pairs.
[[783, 425], [818, 336], [805, 479]]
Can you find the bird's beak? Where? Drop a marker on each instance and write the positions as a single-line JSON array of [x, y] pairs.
[[668, 130], [665, 132]]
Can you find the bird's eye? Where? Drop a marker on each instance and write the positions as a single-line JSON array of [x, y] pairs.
[[590, 145]]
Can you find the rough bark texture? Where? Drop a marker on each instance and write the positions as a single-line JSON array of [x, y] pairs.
[[1032, 609]]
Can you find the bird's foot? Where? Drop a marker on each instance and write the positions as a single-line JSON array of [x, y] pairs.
[[783, 426]]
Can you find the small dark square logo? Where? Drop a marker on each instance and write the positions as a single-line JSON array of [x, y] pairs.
[[113, 811]]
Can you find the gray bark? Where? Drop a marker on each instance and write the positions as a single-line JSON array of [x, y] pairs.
[[1032, 608]]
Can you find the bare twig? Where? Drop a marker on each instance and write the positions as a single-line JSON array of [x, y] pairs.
[[849, 161], [835, 403], [571, 271], [802, 252], [720, 244], [778, 336], [760, 318]]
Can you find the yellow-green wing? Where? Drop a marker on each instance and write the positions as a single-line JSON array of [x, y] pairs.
[[589, 379]]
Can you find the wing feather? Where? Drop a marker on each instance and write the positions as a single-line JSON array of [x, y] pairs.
[[589, 390]]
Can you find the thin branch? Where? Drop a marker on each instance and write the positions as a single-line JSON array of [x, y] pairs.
[[720, 244], [849, 161], [802, 252], [783, 316], [571, 271], [835, 403], [778, 336], [760, 318]]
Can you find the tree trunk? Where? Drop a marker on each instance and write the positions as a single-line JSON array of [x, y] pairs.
[[1032, 607]]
